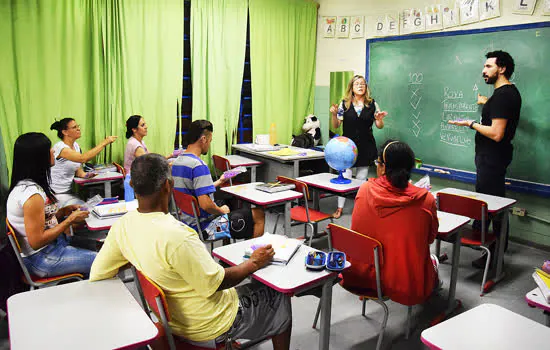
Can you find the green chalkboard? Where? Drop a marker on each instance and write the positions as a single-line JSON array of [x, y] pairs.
[[425, 80]]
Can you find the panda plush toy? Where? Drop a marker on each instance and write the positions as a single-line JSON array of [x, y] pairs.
[[311, 135]]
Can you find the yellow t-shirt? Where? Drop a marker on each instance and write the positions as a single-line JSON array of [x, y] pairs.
[[172, 255]]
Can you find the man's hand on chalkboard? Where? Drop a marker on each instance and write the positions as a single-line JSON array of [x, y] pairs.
[[460, 122], [333, 109], [380, 115], [481, 100]]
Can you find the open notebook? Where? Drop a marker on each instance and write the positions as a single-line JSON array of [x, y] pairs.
[[115, 209], [284, 247]]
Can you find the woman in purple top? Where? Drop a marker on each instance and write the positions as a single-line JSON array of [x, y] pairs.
[[136, 130]]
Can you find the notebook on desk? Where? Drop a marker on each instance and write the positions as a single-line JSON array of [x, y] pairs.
[[275, 187], [262, 148], [110, 210], [284, 247]]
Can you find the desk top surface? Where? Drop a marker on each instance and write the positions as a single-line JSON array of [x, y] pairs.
[[487, 326], [249, 193], [78, 315], [449, 222], [304, 153], [236, 160], [322, 180], [103, 177], [494, 203], [288, 279], [535, 298]]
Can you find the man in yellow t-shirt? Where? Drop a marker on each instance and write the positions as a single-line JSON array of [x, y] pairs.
[[204, 306]]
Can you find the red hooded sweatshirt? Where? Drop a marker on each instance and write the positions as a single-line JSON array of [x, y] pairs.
[[405, 222]]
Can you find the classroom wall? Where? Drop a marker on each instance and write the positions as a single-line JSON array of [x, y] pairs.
[[335, 54]]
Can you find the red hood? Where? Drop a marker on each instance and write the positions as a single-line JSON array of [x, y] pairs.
[[386, 199]]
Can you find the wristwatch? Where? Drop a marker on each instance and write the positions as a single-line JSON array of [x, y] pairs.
[[472, 124]]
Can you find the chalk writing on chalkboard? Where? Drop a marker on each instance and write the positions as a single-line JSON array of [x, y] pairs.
[[415, 89]]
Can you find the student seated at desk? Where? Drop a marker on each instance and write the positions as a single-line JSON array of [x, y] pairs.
[[69, 158], [403, 218], [33, 212], [136, 130], [201, 299], [192, 176]]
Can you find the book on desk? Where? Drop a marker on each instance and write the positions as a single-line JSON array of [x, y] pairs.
[[275, 187], [284, 247]]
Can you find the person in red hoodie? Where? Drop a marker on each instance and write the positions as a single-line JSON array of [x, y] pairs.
[[403, 218]]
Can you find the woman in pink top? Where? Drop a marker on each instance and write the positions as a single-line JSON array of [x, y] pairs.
[[136, 130]]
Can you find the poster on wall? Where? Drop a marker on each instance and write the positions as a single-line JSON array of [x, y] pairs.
[[379, 26], [342, 27], [524, 7], [451, 13], [406, 21], [392, 24], [546, 8], [469, 11], [329, 26], [418, 21], [357, 27], [489, 9], [433, 18]]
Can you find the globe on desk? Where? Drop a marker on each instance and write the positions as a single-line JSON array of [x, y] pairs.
[[340, 154]]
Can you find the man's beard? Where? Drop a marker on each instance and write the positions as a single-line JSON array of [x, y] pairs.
[[491, 80]]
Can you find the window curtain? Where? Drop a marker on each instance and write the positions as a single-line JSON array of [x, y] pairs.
[[98, 61], [218, 44], [338, 85], [282, 54]]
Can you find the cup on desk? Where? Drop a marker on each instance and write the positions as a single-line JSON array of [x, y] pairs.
[[262, 139]]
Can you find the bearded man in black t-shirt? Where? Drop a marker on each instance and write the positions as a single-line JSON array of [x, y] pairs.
[[494, 135]]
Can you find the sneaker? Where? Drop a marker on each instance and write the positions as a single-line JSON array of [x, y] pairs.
[[435, 262]]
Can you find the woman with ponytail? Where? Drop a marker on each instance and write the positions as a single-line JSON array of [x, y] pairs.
[[136, 130], [69, 159], [403, 218]]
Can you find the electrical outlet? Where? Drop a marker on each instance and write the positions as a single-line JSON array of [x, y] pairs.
[[519, 211]]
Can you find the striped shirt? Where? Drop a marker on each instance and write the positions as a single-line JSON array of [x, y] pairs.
[[192, 176]]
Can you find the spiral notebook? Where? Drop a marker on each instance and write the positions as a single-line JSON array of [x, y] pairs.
[[284, 247]]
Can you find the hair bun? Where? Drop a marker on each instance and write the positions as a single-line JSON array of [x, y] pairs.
[[55, 126]]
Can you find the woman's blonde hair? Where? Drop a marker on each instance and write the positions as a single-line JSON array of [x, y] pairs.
[[348, 98]]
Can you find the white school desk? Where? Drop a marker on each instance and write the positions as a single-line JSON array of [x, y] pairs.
[[535, 299], [495, 205], [237, 161], [290, 279], [78, 315], [449, 225], [95, 223], [485, 327], [274, 165], [249, 193], [321, 183], [105, 178]]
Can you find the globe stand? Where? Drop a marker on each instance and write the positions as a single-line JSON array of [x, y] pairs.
[[340, 180]]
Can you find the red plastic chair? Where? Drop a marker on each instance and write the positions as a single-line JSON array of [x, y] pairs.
[[476, 239], [222, 164], [303, 214], [120, 169], [34, 281], [154, 300]]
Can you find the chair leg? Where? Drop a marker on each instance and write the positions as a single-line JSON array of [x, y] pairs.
[[276, 222], [384, 322], [437, 247], [312, 230], [317, 314], [364, 308], [408, 330], [486, 268]]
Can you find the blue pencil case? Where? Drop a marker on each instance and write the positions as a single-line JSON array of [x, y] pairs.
[[336, 261], [333, 261]]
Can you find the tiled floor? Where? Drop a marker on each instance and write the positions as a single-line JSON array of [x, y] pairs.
[[349, 330]]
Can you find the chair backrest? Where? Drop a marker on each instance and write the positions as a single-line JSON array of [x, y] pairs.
[[120, 169], [12, 237], [300, 186], [465, 206], [189, 205], [220, 163], [356, 246]]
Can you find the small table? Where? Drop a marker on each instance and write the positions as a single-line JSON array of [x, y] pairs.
[[449, 225], [237, 161], [535, 299], [105, 178], [95, 223], [487, 326], [321, 183], [249, 193], [275, 165], [495, 205], [78, 315], [289, 279]]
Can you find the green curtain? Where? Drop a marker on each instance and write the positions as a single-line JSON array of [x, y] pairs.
[[218, 44], [282, 54], [98, 61], [338, 85]]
